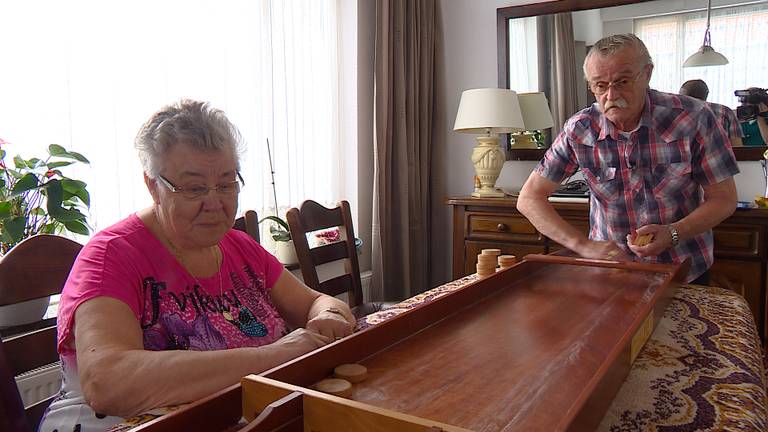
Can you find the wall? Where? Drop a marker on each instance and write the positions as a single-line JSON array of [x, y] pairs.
[[470, 60]]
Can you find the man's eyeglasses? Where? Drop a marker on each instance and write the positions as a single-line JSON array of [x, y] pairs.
[[198, 191], [600, 88]]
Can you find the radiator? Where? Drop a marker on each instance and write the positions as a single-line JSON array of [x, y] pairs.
[[39, 384]]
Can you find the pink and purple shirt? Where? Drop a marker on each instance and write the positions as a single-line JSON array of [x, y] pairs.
[[651, 175], [175, 310]]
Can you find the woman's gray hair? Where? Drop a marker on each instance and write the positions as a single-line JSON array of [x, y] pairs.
[[186, 121], [610, 45]]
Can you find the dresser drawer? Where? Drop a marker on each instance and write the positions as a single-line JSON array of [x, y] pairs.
[[482, 226], [739, 241]]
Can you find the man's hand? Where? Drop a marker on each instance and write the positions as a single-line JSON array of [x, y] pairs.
[[661, 240], [604, 250], [330, 324]]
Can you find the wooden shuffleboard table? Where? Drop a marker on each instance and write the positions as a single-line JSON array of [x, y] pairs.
[[543, 345]]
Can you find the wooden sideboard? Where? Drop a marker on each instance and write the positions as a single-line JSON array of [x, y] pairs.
[[741, 243]]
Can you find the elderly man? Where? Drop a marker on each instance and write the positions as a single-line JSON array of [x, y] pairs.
[[698, 89], [657, 164]]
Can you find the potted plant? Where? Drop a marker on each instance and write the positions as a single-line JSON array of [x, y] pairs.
[[281, 234], [36, 197]]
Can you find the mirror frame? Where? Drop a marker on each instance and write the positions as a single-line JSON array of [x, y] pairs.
[[503, 14]]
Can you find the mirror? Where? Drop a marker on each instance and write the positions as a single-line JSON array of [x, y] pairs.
[[543, 13]]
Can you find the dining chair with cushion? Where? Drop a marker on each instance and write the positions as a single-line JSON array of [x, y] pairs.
[[249, 223], [311, 217], [34, 269]]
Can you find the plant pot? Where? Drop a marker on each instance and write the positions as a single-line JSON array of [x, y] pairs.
[[24, 312], [285, 252]]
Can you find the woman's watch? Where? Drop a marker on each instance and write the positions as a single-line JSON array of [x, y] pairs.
[[674, 234]]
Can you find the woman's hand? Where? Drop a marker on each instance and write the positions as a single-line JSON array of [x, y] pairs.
[[330, 323], [302, 341]]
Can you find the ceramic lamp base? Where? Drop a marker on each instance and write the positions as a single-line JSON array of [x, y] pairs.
[[488, 158]]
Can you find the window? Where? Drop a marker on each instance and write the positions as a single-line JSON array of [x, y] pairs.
[[737, 32], [86, 74]]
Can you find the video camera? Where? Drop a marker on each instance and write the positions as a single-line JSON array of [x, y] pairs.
[[750, 99]]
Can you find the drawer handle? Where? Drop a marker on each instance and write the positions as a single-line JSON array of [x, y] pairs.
[[502, 227]]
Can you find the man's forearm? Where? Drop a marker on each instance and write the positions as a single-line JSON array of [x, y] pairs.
[[705, 217], [545, 218]]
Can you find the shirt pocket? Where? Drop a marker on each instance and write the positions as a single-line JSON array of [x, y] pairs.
[[602, 183], [672, 179]]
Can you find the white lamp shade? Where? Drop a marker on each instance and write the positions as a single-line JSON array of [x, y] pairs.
[[491, 110], [705, 56], [535, 110]]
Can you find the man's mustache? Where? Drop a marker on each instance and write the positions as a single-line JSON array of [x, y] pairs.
[[618, 103]]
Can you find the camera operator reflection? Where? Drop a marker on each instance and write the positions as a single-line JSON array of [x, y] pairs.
[[698, 89], [753, 115]]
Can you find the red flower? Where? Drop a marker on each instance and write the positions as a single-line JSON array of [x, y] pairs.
[[49, 173]]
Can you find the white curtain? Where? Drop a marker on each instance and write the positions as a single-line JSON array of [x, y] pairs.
[[739, 33], [86, 74], [523, 55]]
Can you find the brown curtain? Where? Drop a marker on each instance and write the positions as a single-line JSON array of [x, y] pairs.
[[560, 76], [406, 125]]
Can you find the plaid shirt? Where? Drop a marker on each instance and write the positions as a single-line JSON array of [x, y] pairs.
[[652, 175], [727, 119]]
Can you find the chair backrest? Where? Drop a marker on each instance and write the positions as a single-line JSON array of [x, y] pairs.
[[249, 223], [310, 217], [35, 268]]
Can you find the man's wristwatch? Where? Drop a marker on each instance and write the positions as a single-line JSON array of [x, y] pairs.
[[674, 234]]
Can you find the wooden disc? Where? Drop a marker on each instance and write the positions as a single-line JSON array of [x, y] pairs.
[[351, 372], [495, 252], [335, 386]]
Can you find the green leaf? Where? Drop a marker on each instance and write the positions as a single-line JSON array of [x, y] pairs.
[[52, 165], [72, 185], [2, 154], [277, 220], [79, 157], [14, 227], [27, 182], [34, 162], [5, 209], [19, 162], [55, 195], [56, 150], [77, 227], [65, 215], [85, 197]]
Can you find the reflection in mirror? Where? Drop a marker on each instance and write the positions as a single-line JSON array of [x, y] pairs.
[[544, 47]]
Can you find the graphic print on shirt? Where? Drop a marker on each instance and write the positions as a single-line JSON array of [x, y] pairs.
[[191, 318]]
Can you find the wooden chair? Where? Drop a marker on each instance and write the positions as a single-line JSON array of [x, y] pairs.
[[311, 217], [249, 223], [35, 268]]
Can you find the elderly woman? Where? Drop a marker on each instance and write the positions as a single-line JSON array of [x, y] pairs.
[[171, 304]]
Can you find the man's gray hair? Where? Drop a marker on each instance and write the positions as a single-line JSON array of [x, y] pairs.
[[610, 45], [186, 121]]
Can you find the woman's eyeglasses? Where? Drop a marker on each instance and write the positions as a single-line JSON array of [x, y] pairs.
[[199, 191]]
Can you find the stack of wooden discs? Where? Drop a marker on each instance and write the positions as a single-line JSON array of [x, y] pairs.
[[486, 262], [507, 261]]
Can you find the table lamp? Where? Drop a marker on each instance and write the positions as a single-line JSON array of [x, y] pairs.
[[536, 117], [489, 112]]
